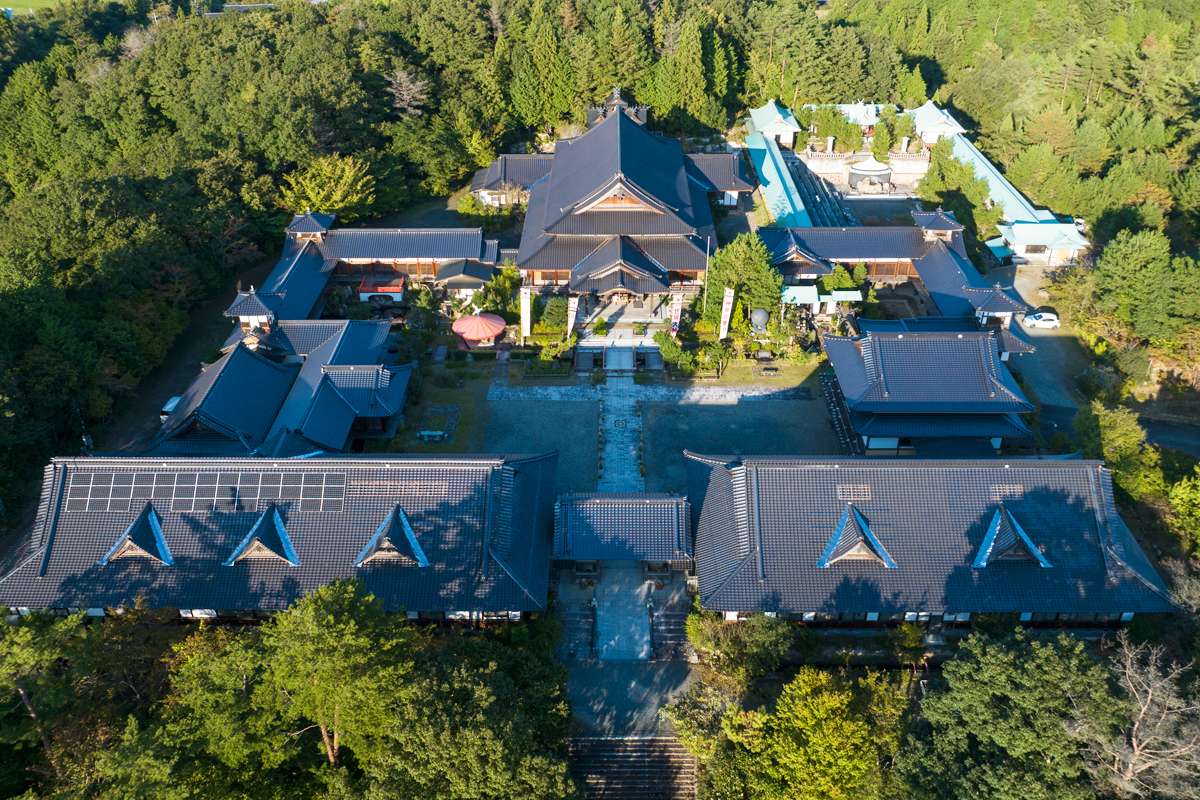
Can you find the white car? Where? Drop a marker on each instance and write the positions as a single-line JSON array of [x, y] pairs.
[[1041, 318], [167, 409]]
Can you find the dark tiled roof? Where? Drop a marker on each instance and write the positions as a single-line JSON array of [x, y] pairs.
[[491, 251], [237, 398], [523, 170], [762, 525], [465, 272], [619, 279], [945, 275], [485, 524], [936, 220], [386, 244], [311, 223], [941, 426], [1009, 340], [619, 251], [789, 254], [616, 157], [718, 172], [253, 304], [651, 527], [299, 278], [993, 300], [301, 337], [858, 244], [924, 374]]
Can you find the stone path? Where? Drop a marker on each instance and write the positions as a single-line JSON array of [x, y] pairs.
[[622, 619], [621, 426], [715, 395]]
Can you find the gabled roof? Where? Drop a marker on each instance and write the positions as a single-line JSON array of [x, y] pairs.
[[718, 172], [267, 539], [763, 523], [1012, 203], [465, 272], [394, 540], [143, 537], [1054, 235], [253, 304], [993, 301], [308, 222], [931, 118], [852, 539], [856, 244], [778, 187], [237, 397], [1008, 339], [485, 524], [924, 374], [650, 527], [773, 118], [1006, 540], [298, 278], [521, 170], [789, 253], [945, 273], [936, 220]]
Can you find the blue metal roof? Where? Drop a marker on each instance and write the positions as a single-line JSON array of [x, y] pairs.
[[763, 523], [779, 190], [1016, 208]]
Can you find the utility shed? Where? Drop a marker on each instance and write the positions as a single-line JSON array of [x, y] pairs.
[[837, 540], [438, 536]]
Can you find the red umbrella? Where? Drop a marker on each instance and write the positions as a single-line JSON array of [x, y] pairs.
[[478, 328]]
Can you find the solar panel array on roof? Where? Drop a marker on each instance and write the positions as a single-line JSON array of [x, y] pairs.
[[250, 534]]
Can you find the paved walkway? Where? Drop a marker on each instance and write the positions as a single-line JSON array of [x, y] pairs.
[[621, 426], [619, 358], [622, 619]]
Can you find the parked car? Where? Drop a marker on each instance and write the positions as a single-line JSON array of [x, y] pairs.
[[167, 409], [1044, 317]]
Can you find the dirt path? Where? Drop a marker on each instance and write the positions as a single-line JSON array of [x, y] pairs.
[[136, 423]]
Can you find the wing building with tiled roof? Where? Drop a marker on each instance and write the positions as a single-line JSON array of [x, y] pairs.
[[849, 540], [898, 387], [435, 536]]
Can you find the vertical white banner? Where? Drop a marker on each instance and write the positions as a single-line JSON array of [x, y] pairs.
[[572, 310], [676, 312], [726, 313], [526, 313]]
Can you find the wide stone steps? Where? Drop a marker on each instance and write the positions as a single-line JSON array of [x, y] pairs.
[[578, 626], [670, 635], [633, 768]]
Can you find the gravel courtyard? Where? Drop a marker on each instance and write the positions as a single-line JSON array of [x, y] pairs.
[[756, 427], [538, 426]]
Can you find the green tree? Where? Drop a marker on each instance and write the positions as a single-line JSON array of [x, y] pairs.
[[1184, 497], [881, 143], [1114, 435], [30, 655], [691, 68], [848, 65], [999, 723], [554, 317], [745, 265], [910, 86], [341, 185]]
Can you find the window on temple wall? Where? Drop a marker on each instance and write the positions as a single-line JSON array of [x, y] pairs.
[[1035, 249]]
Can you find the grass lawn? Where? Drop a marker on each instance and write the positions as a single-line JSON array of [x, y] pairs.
[[471, 396], [741, 373]]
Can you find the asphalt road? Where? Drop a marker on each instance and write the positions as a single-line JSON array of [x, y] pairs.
[[1174, 435]]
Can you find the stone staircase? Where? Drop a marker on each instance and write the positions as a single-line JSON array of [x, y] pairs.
[[632, 768], [669, 634], [578, 632]]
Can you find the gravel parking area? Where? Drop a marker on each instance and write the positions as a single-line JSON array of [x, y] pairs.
[[764, 427], [538, 426]]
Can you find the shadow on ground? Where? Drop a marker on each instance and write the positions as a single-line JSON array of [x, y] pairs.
[[615, 697]]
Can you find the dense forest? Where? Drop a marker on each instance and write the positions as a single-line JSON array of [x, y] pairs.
[[333, 698], [149, 153]]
